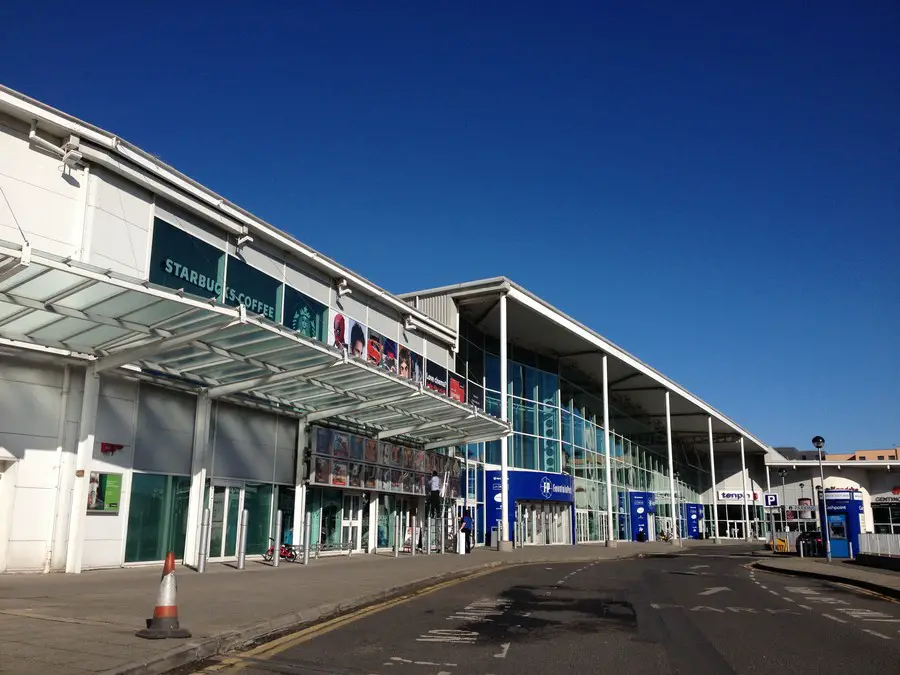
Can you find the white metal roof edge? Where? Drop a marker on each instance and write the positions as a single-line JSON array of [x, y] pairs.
[[35, 109], [532, 301], [848, 463]]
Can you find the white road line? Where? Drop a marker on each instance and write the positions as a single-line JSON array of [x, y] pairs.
[[806, 607], [765, 587], [502, 655], [773, 592], [789, 599], [834, 618], [876, 634]]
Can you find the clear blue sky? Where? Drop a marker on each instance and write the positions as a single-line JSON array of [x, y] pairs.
[[712, 185]]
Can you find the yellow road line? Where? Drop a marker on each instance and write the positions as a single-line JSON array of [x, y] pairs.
[[237, 663]]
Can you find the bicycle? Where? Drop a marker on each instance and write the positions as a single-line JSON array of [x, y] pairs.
[[286, 552]]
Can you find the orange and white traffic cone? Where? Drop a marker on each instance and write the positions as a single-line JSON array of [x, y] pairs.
[[164, 623]]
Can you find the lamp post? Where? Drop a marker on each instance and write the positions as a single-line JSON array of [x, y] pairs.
[[819, 443]]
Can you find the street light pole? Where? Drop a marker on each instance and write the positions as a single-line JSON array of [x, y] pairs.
[[819, 443]]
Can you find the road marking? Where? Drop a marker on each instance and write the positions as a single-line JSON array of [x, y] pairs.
[[452, 635], [705, 608], [481, 610], [698, 567], [237, 662], [807, 607], [788, 599], [875, 633], [830, 601], [502, 655], [714, 590], [867, 614], [834, 618], [761, 586]]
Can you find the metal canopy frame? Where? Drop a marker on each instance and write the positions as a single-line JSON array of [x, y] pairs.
[[226, 352]]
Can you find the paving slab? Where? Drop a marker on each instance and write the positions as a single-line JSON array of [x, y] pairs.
[[885, 582]]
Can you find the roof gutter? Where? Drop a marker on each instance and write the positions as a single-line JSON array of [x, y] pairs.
[[229, 215]]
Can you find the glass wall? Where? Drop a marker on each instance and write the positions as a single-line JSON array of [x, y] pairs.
[[157, 517], [558, 427]]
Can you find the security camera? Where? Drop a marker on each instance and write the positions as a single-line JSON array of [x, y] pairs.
[[344, 288], [72, 158]]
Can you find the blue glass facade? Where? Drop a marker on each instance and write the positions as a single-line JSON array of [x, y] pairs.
[[558, 429]]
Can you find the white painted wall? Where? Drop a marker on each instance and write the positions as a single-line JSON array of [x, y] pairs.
[[117, 221], [47, 202], [30, 409]]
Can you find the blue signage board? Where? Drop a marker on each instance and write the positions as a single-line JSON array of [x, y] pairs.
[[527, 486], [693, 514], [844, 521], [641, 505]]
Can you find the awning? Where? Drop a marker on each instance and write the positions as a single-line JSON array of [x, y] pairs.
[[223, 351], [637, 391]]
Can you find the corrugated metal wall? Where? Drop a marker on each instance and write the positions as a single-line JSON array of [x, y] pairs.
[[440, 308]]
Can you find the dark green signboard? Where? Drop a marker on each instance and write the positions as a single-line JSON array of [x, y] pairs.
[[247, 286], [178, 260], [304, 315]]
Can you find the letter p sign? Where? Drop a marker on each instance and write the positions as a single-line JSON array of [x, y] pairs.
[[770, 499]]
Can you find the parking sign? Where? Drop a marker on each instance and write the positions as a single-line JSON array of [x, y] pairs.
[[770, 499]]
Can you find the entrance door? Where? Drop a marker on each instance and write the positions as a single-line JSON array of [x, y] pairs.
[[351, 521], [225, 503]]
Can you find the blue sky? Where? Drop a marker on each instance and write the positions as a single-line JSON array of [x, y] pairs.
[[713, 186]]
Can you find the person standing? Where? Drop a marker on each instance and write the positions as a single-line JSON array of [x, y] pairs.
[[434, 499]]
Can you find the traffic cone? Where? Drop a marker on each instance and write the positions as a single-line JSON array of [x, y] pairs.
[[164, 623]]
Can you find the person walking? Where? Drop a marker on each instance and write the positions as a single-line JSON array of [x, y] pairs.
[[467, 526]]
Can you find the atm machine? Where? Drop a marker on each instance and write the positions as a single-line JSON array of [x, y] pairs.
[[843, 520]]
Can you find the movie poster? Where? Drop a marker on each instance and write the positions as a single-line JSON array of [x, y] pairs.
[[389, 355], [457, 388], [374, 348], [340, 445], [357, 341], [371, 452], [356, 447], [356, 475], [322, 471], [435, 378], [339, 472], [323, 441], [337, 331]]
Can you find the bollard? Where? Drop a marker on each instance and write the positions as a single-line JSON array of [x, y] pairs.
[[851, 549], [306, 540], [204, 542], [396, 536], [276, 555], [412, 538], [428, 535], [443, 532], [242, 540]]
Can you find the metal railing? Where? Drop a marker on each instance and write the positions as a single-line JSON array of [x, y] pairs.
[[880, 544]]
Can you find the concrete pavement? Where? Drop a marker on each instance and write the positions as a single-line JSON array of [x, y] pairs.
[[885, 582], [77, 624]]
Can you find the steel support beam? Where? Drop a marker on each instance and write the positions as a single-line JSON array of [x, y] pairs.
[[388, 433], [271, 378]]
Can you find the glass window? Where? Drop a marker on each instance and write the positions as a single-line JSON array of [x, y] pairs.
[[492, 404], [516, 378], [549, 454], [157, 517], [492, 452], [530, 383], [524, 416], [548, 388], [548, 421], [578, 427], [492, 372], [567, 431], [568, 458], [258, 503], [476, 364]]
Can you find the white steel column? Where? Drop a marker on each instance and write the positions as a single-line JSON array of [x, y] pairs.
[[504, 442], [744, 484], [610, 530], [200, 443], [715, 485], [86, 427], [298, 535], [671, 467]]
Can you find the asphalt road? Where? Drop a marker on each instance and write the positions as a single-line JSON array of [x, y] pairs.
[[703, 612]]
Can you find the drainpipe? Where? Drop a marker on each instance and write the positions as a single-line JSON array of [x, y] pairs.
[[60, 443]]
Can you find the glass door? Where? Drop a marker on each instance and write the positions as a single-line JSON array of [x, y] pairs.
[[225, 503], [351, 521]]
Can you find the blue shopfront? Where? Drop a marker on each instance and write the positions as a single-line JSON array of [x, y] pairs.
[[541, 507], [845, 512]]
